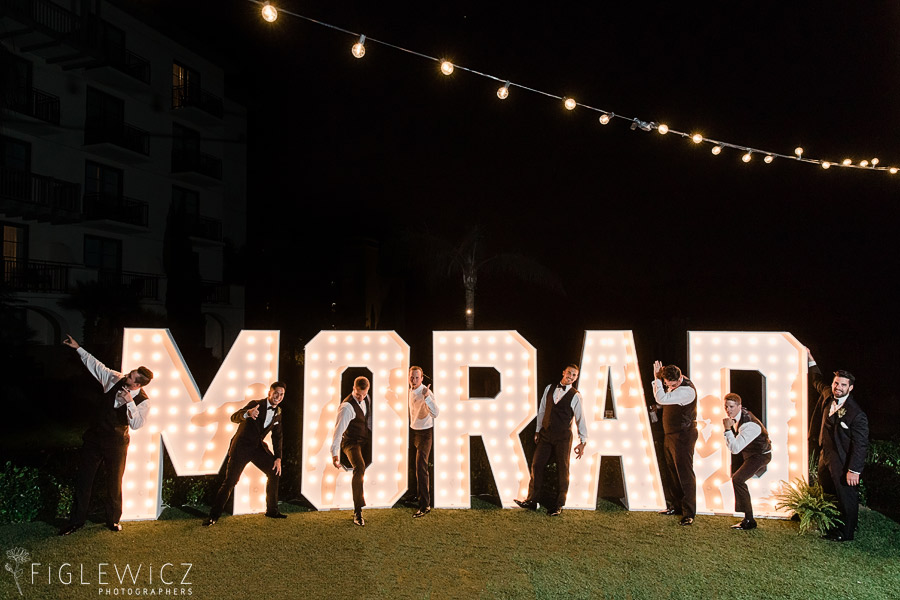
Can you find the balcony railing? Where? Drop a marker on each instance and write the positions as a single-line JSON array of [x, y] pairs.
[[34, 103], [216, 292], [142, 285], [43, 13], [35, 275], [184, 96], [206, 228], [120, 134], [128, 62], [38, 190], [116, 208], [198, 162]]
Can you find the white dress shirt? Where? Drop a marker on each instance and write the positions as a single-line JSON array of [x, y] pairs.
[[108, 378], [747, 432], [346, 414], [682, 395], [558, 393], [422, 409]]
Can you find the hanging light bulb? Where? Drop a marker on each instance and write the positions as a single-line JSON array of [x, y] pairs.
[[696, 138], [746, 157], [359, 48], [826, 165], [893, 170], [446, 67], [570, 104], [604, 118], [864, 163], [716, 150], [269, 12], [503, 91], [663, 128], [846, 162], [768, 159], [875, 161], [798, 151]]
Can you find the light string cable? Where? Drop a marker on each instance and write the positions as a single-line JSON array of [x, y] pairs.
[[270, 13]]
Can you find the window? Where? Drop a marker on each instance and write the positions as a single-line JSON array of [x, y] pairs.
[[102, 182], [105, 114], [185, 147], [102, 253], [15, 154], [15, 249], [187, 200], [185, 86]]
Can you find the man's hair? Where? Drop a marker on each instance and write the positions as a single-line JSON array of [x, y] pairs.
[[571, 366], [671, 373], [846, 375], [146, 375], [419, 369], [361, 383], [278, 384], [733, 397]]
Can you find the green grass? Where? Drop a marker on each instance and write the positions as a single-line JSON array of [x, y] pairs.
[[479, 553]]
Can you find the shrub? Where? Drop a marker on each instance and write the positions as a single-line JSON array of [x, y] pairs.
[[815, 508], [20, 494]]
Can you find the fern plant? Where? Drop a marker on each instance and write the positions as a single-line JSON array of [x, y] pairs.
[[816, 509]]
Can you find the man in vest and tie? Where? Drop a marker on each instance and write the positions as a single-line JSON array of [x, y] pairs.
[[353, 437], [255, 421], [422, 411], [748, 441], [678, 398], [560, 405], [123, 404], [840, 430]]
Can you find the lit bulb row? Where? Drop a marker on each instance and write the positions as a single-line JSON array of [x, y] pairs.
[[270, 14]]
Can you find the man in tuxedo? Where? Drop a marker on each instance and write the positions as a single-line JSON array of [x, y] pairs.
[[422, 411], [255, 421], [677, 396], [123, 405], [840, 430], [353, 437], [748, 442], [560, 405]]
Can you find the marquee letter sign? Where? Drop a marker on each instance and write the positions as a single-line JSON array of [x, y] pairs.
[[609, 358], [196, 431], [497, 420], [781, 360], [328, 355]]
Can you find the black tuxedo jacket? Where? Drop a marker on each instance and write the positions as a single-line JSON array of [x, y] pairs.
[[845, 449], [251, 432]]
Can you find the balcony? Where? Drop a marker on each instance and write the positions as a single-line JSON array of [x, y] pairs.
[[35, 276], [34, 103], [196, 167], [143, 285], [207, 229], [120, 68], [215, 292], [193, 102], [119, 141], [38, 197], [38, 25], [113, 211]]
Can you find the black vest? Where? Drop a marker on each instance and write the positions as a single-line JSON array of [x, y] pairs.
[[561, 415], [761, 444], [677, 418], [359, 430], [110, 424]]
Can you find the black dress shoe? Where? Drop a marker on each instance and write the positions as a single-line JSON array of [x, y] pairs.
[[70, 529], [209, 522], [745, 524], [837, 537], [114, 527], [421, 513], [554, 513], [529, 504], [276, 515], [669, 511], [685, 521], [358, 520]]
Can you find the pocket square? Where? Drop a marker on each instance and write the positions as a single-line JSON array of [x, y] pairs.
[[844, 425]]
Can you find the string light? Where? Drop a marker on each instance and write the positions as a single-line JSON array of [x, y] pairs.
[[864, 163], [359, 48], [270, 14], [826, 165], [746, 158]]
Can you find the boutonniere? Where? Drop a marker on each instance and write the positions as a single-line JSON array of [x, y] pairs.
[[841, 412]]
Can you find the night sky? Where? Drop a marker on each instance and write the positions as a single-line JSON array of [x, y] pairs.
[[643, 231]]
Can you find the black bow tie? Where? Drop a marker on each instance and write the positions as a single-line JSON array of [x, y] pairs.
[[272, 408]]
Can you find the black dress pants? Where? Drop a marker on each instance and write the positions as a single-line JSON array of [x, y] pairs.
[[112, 456], [264, 460], [560, 450], [678, 448]]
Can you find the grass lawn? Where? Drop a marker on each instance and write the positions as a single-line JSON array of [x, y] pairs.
[[480, 553]]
